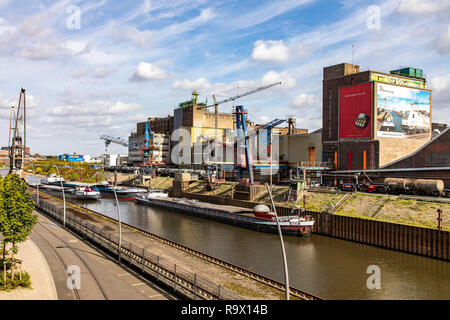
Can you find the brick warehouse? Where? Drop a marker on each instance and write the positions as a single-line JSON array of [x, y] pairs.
[[363, 130]]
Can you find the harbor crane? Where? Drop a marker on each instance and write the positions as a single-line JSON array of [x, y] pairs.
[[217, 103], [241, 127], [17, 140], [145, 147]]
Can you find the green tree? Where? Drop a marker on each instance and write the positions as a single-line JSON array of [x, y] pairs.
[[16, 218]]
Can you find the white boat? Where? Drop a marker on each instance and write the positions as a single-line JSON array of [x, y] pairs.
[[53, 178], [154, 193], [300, 226], [86, 193]]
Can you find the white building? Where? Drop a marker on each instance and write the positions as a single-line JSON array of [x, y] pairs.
[[112, 160]]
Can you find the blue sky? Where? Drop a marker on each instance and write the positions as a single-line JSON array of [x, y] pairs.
[[134, 59]]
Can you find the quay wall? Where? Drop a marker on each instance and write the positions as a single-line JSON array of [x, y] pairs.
[[411, 239]]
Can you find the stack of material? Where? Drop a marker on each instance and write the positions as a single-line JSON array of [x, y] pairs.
[[245, 191]]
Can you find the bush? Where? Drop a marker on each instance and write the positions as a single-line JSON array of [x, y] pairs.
[[25, 282]]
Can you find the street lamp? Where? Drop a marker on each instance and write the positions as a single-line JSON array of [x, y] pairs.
[[37, 185], [64, 196], [120, 222], [283, 251]]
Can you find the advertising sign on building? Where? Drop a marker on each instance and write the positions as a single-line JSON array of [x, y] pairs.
[[397, 80], [355, 111], [402, 112]]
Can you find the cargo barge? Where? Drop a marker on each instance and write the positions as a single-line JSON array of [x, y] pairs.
[[123, 193], [290, 225]]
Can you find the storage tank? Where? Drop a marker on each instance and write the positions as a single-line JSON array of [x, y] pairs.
[[426, 186], [398, 184], [429, 186], [262, 211]]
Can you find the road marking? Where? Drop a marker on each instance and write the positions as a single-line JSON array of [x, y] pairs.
[[123, 274], [137, 284], [73, 241], [154, 296]]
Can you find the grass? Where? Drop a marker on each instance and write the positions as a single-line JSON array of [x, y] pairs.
[[9, 285]]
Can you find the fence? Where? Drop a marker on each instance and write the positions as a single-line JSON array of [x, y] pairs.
[[180, 280]]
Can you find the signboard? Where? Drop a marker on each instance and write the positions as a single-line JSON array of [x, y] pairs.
[[397, 80], [402, 112], [355, 111]]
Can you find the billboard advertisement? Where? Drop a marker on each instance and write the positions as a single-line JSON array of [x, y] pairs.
[[402, 112], [355, 111]]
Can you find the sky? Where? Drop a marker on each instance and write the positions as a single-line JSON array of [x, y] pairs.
[[98, 67]]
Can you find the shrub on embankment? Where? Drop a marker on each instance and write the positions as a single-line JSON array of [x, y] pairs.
[[20, 280]]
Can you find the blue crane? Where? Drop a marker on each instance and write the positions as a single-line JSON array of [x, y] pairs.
[[243, 136]]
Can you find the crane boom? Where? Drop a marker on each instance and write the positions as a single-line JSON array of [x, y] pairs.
[[241, 95]]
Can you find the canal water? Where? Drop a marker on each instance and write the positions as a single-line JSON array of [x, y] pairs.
[[328, 267]]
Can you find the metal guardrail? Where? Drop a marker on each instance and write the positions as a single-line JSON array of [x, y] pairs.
[[182, 281]]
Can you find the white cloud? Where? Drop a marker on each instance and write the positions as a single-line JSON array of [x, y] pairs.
[[440, 83], [148, 71], [442, 43], [287, 81], [141, 39], [43, 51], [304, 100], [223, 89], [270, 51], [422, 7], [199, 84], [96, 72], [3, 3], [90, 108]]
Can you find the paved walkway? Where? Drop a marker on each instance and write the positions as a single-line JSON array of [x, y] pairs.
[[49, 253], [43, 286]]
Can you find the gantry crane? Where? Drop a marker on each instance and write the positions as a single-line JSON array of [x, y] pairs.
[[243, 137], [17, 140]]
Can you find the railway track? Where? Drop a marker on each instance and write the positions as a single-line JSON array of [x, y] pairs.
[[61, 260], [232, 267]]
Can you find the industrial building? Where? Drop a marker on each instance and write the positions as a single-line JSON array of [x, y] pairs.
[[371, 121], [375, 121], [114, 160]]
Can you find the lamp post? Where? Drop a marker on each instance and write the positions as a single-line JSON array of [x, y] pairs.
[[283, 251], [64, 195], [37, 185], [120, 222]]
